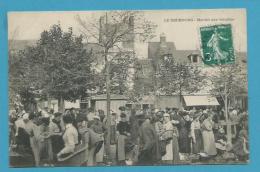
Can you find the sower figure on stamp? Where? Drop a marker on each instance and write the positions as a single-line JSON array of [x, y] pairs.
[[214, 44]]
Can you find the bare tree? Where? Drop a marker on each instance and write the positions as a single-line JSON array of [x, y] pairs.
[[115, 33], [228, 81]]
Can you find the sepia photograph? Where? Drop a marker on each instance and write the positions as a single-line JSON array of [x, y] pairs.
[[128, 88]]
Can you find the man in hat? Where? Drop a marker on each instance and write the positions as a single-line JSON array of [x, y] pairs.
[[100, 129], [147, 135], [123, 129], [159, 128], [94, 141], [184, 129], [56, 133]]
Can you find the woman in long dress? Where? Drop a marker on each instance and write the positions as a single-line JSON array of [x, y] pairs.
[[208, 136], [171, 136], [196, 135]]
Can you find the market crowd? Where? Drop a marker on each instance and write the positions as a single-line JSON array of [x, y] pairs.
[[137, 137]]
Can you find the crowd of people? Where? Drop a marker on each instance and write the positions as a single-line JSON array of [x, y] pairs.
[[136, 137]]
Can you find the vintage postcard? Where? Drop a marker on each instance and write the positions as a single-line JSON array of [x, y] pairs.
[[128, 88]]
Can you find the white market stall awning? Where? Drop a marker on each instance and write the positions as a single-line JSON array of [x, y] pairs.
[[205, 100]]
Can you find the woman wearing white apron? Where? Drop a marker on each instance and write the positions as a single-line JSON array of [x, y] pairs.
[[171, 137]]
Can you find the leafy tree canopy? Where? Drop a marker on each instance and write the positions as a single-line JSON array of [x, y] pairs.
[[57, 66]]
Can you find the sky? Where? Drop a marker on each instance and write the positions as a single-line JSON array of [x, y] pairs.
[[179, 26]]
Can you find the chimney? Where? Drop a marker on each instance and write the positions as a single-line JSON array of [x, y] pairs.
[[162, 38], [131, 21]]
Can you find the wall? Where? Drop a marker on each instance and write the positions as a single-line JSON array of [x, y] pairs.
[[168, 101]]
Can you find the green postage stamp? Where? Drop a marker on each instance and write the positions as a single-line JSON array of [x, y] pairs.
[[217, 44]]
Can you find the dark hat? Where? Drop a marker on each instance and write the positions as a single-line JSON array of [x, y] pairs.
[[159, 114], [122, 115], [196, 115], [122, 108], [183, 113], [80, 117], [57, 114], [67, 118], [148, 116]]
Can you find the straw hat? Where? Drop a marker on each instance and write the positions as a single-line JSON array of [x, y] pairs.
[[96, 117], [45, 115], [166, 115], [26, 116]]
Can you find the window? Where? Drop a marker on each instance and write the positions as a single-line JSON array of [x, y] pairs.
[[195, 59], [167, 57], [129, 106]]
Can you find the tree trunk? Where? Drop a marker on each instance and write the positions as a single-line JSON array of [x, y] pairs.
[[61, 104], [180, 98], [108, 107], [48, 102], [229, 134]]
